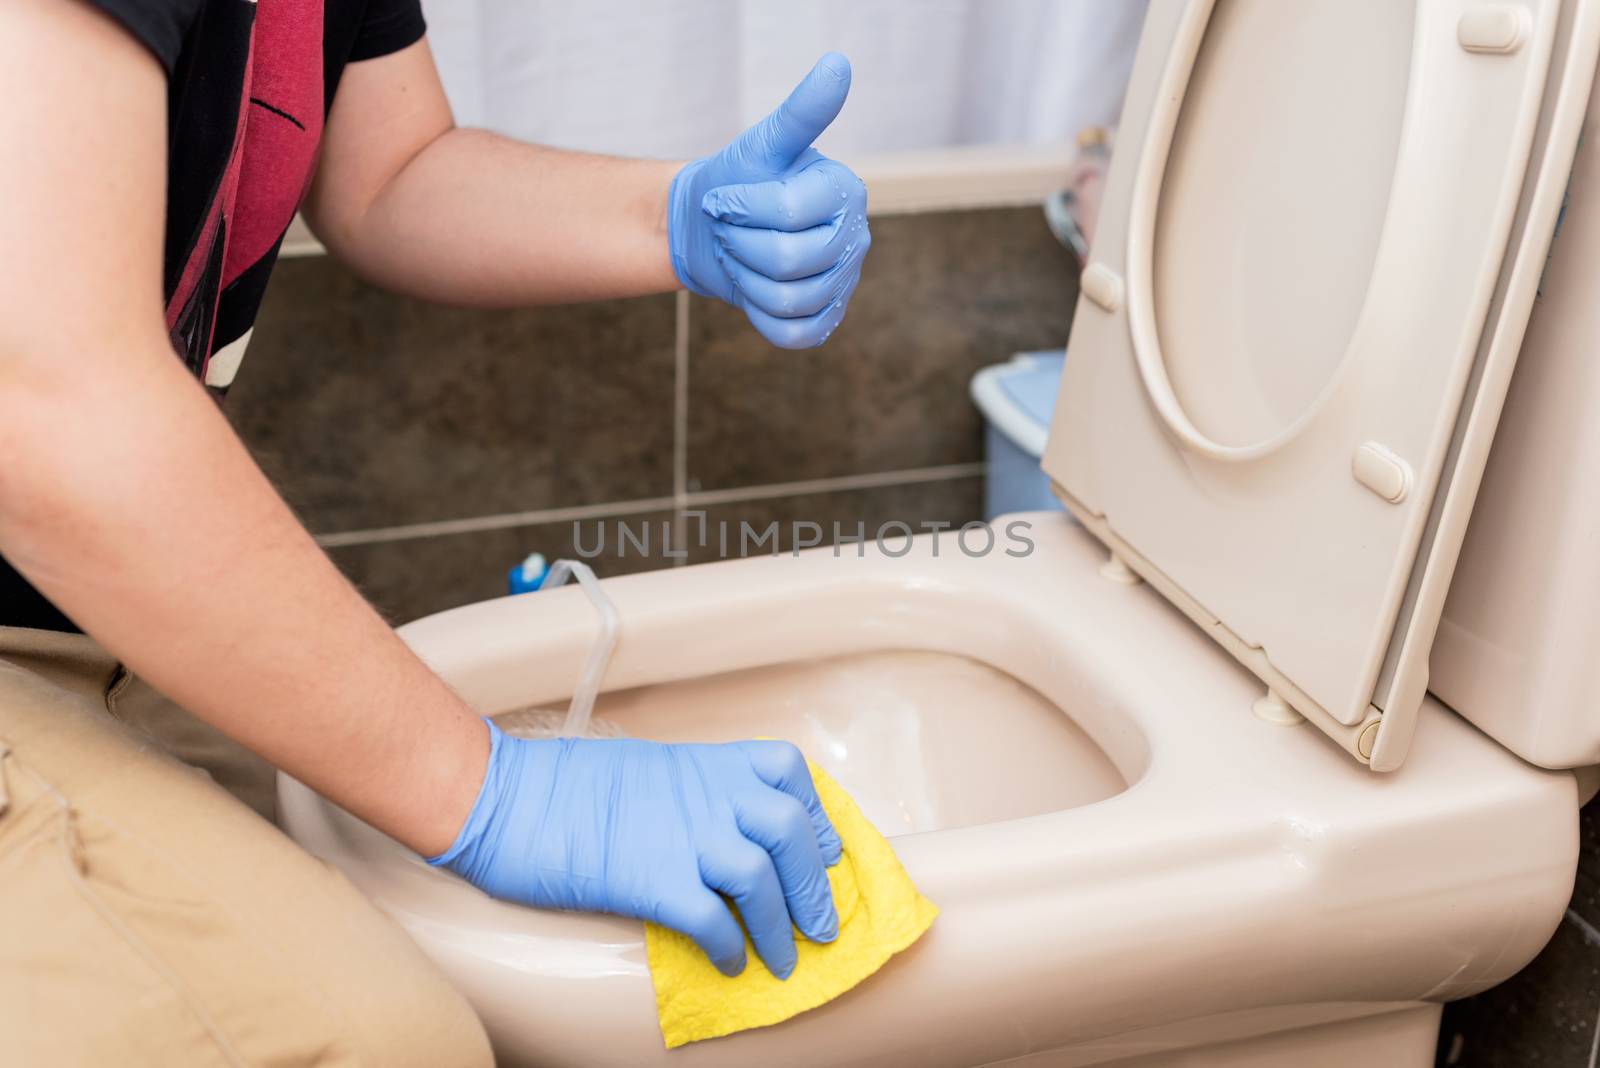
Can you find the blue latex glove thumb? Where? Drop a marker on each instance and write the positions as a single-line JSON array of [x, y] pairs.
[[777, 142], [668, 833], [772, 226]]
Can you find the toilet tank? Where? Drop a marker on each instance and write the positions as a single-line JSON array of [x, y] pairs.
[[1518, 649]]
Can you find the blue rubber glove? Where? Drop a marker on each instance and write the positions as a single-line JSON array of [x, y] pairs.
[[655, 832], [772, 226]]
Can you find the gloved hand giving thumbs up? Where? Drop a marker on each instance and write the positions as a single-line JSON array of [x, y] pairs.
[[771, 225]]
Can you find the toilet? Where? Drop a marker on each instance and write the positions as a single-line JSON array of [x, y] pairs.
[[1266, 750]]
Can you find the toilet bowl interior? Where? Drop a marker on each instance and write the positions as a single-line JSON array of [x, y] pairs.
[[939, 705], [924, 741]]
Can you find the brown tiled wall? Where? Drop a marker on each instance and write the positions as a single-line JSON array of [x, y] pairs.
[[433, 448], [941, 296]]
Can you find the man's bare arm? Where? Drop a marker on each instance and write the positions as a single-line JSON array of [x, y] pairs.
[[467, 217], [124, 495]]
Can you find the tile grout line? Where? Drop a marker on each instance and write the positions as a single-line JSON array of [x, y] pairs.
[[914, 476], [1592, 936], [1590, 933], [680, 422], [1594, 1045], [501, 521]]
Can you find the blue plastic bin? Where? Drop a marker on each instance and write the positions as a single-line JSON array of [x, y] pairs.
[[1017, 399]]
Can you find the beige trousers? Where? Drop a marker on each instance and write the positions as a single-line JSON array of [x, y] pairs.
[[148, 917]]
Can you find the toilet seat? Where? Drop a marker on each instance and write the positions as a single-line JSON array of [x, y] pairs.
[[1235, 840], [1260, 489]]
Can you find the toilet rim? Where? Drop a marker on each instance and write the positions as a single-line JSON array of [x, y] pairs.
[[1000, 611], [1170, 714]]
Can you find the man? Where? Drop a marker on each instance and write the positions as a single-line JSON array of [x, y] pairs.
[[154, 152]]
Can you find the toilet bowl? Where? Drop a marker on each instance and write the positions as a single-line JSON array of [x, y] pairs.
[[1116, 844], [1171, 772]]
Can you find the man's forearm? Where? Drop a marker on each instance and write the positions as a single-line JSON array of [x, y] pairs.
[[477, 219], [468, 217], [127, 499]]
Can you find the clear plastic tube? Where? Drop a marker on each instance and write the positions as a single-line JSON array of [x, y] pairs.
[[594, 669]]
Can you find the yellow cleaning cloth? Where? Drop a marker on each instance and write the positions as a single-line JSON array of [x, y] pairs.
[[880, 913]]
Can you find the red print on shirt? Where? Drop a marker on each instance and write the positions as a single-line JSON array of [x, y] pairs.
[[274, 151], [283, 127]]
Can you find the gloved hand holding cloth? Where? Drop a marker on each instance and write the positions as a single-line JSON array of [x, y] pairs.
[[672, 834], [656, 832]]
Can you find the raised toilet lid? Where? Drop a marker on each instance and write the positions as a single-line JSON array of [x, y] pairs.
[[1321, 237]]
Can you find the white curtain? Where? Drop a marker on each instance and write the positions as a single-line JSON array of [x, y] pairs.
[[670, 79]]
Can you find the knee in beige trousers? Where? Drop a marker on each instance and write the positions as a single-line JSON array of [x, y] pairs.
[[148, 917]]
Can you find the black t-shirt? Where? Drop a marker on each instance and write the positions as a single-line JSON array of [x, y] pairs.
[[249, 85]]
